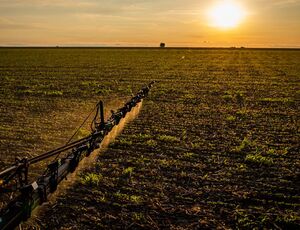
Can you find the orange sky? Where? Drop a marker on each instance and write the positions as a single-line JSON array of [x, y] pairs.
[[267, 23]]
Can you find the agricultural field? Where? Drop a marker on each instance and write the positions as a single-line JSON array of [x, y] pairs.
[[215, 145]]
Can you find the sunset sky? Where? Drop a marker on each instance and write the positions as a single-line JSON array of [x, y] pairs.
[[260, 23]]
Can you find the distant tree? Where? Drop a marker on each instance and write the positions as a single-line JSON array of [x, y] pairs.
[[162, 45]]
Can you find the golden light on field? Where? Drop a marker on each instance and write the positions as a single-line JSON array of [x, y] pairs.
[[226, 15]]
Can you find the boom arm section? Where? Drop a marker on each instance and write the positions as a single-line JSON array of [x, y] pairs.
[[35, 193]]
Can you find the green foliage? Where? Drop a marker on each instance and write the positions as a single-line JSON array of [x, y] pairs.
[[258, 159], [288, 218], [276, 152], [227, 98], [184, 135], [128, 171], [242, 113], [103, 91], [124, 141], [245, 145], [237, 96], [271, 99], [53, 93], [271, 152], [136, 199], [231, 118], [91, 179], [141, 136], [48, 93], [189, 96], [244, 220], [195, 145], [167, 138], [26, 92], [138, 216], [241, 167], [131, 198], [142, 160], [125, 89], [188, 155], [151, 143]]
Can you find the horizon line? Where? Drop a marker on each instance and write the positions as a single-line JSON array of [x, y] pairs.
[[152, 47]]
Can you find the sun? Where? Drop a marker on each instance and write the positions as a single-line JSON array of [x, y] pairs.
[[226, 15]]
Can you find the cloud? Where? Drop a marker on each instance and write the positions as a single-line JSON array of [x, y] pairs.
[[286, 2], [277, 3], [12, 25], [45, 3]]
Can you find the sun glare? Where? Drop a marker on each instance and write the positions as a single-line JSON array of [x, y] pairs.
[[226, 15]]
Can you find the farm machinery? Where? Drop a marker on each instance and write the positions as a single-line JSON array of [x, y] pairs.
[[31, 194]]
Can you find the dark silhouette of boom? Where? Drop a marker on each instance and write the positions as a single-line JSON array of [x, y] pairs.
[[35, 193]]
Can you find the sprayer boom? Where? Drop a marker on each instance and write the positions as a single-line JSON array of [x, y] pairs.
[[33, 194]]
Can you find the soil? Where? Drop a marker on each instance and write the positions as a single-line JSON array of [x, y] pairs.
[[215, 145]]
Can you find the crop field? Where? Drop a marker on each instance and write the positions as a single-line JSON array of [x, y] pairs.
[[215, 145]]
